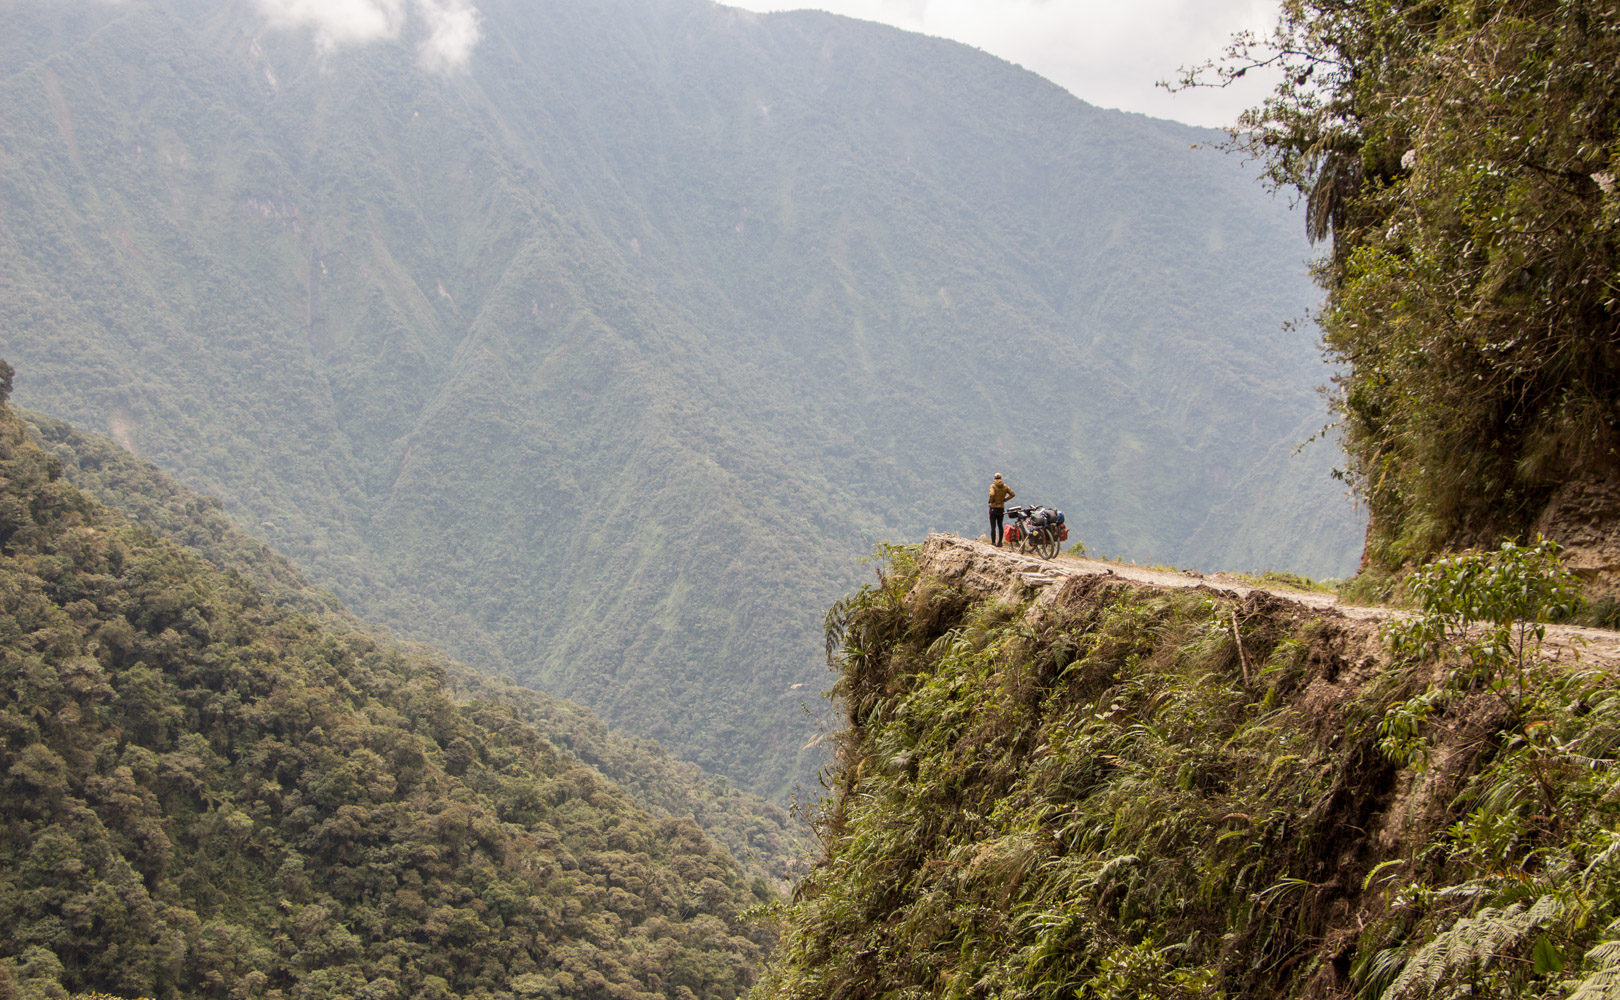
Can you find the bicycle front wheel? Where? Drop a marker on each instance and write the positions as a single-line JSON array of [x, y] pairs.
[[1047, 545]]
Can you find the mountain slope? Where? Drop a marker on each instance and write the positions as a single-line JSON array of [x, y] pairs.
[[600, 362], [207, 795], [760, 836]]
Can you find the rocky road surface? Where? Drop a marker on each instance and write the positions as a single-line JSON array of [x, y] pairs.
[[1003, 569]]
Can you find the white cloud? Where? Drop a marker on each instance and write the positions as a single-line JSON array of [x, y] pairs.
[[452, 32], [449, 29], [338, 23], [1108, 52]]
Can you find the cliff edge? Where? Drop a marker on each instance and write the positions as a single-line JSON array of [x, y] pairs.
[[1062, 778]]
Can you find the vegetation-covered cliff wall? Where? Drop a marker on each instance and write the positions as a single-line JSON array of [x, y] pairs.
[[1089, 787], [1462, 158]]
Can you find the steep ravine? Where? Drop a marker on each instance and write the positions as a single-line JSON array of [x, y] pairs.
[[1057, 779]]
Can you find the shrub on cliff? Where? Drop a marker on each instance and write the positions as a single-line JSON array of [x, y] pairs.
[[1462, 156]]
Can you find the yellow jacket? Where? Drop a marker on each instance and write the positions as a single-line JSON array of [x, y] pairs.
[[1000, 493]]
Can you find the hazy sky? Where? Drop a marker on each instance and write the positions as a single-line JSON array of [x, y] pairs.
[[1106, 52], [1111, 53]]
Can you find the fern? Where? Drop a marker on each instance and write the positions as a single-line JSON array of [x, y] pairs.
[[1603, 982], [1601, 985], [1445, 966]]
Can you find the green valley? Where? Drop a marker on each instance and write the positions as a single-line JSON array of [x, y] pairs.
[[217, 790], [601, 361], [757, 834], [602, 343]]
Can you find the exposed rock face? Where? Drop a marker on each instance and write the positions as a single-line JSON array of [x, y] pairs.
[[1584, 517], [1006, 574], [985, 570]]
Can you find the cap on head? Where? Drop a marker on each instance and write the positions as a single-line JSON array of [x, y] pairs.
[[996, 476]]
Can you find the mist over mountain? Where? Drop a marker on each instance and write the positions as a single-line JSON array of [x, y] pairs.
[[595, 341]]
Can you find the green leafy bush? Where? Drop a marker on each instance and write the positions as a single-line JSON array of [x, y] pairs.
[[1505, 904]]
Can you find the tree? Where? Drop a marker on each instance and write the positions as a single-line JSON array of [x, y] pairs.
[[1461, 155]]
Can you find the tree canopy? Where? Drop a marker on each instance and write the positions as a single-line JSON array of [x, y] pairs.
[[1460, 155], [205, 792]]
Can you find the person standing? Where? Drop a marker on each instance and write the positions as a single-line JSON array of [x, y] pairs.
[[1000, 493]]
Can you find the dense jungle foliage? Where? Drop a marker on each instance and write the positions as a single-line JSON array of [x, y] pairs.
[[209, 793], [1462, 155], [1129, 793], [758, 834], [599, 363]]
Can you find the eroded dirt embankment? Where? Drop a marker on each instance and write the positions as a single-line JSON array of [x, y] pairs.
[[988, 570]]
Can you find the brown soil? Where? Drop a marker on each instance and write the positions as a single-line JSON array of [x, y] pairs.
[[1584, 517], [986, 569]]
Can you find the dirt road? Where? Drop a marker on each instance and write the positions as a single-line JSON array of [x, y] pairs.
[[1591, 645]]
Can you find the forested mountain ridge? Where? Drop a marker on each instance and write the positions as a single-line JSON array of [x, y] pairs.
[[210, 795], [600, 361], [758, 834]]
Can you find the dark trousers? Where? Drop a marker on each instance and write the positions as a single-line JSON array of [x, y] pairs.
[[996, 514]]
